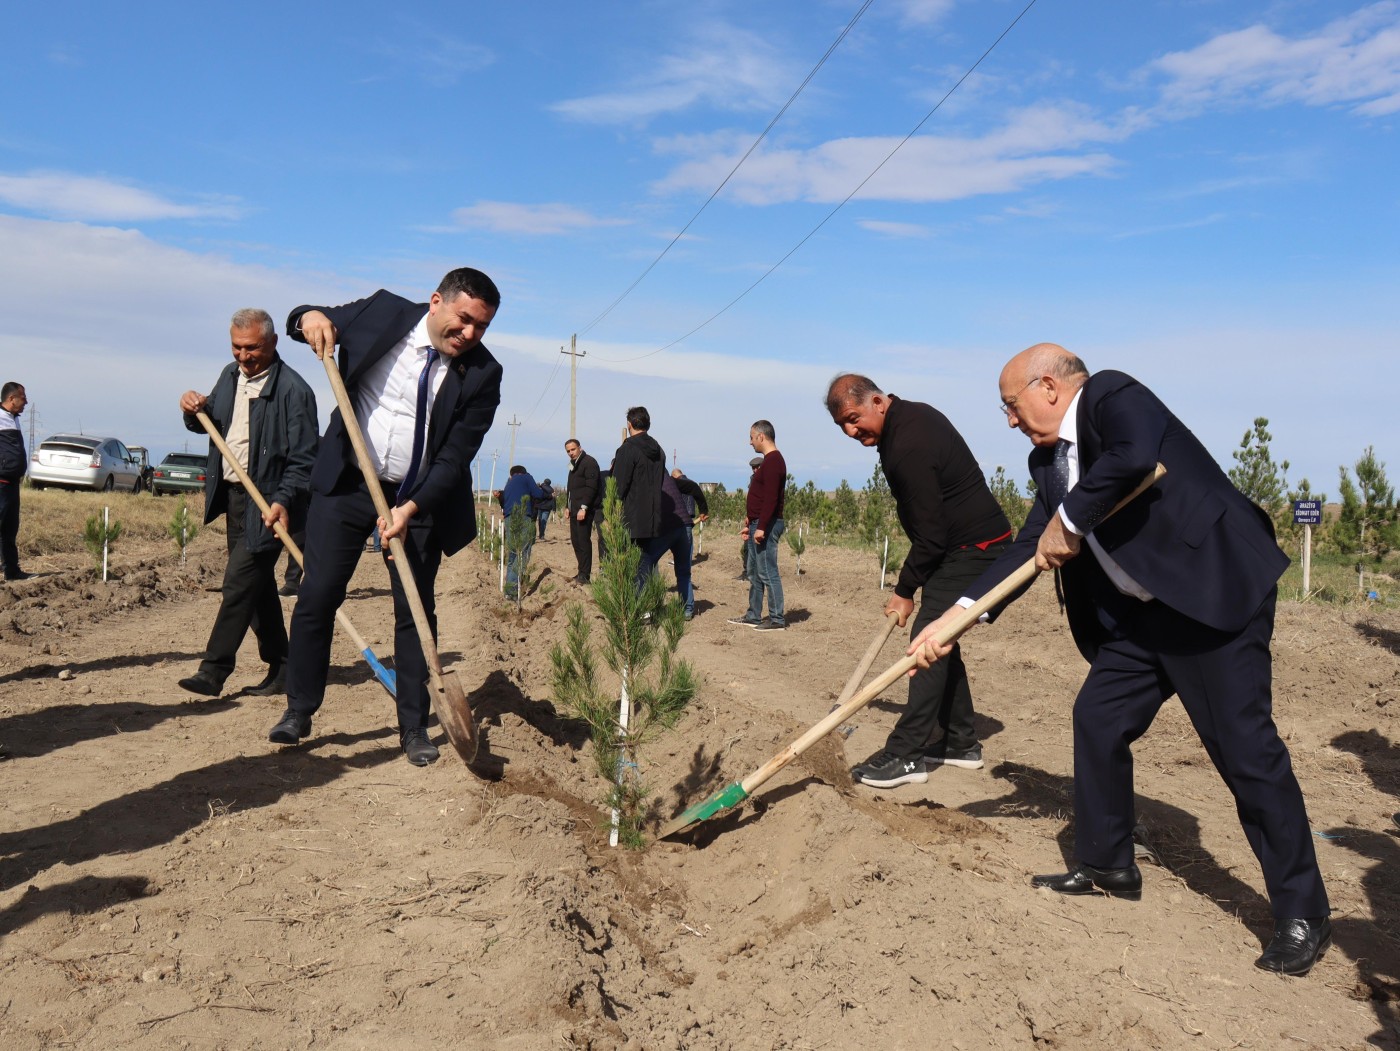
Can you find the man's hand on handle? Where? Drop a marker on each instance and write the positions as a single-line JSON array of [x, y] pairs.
[[320, 334], [901, 607], [925, 649], [1057, 545], [192, 402]]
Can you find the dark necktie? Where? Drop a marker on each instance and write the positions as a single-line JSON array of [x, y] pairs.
[[1058, 487], [420, 424]]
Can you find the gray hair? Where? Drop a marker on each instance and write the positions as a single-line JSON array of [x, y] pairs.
[[849, 387], [252, 317], [764, 428]]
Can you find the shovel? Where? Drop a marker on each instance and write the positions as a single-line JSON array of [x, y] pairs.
[[873, 651], [736, 793], [383, 674], [449, 702]]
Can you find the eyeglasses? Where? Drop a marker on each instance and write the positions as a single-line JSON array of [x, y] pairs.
[[1009, 406]]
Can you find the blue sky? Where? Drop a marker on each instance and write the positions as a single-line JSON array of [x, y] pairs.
[[1202, 193]]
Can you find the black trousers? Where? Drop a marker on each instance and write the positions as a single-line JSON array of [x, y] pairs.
[[249, 600], [580, 535], [1224, 682], [9, 526], [940, 696], [291, 576], [336, 528]]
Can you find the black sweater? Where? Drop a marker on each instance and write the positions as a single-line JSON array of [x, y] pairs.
[[943, 500]]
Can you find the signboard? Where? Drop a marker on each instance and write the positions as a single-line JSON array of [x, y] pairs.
[[1307, 512]]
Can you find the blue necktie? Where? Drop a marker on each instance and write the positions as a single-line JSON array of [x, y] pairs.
[[420, 425]]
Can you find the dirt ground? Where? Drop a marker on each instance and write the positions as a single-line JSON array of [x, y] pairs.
[[168, 879]]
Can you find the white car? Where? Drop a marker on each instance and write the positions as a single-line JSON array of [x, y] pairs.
[[80, 461]]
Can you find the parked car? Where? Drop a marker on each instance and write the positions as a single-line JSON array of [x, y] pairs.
[[81, 461], [179, 473], [144, 460]]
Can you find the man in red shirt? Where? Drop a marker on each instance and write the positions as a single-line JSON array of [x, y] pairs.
[[763, 528]]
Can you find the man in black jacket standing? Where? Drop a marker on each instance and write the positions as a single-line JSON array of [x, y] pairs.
[[639, 465], [584, 496], [425, 391], [13, 464], [956, 529], [266, 414]]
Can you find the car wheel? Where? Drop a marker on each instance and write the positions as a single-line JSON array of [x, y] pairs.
[[110, 484]]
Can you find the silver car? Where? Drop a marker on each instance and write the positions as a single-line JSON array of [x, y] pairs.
[[80, 461]]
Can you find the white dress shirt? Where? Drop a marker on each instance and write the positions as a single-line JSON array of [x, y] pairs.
[[386, 403], [237, 437]]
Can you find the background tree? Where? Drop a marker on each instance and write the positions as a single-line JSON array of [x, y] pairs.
[[1256, 475], [877, 513], [1014, 503], [1367, 524]]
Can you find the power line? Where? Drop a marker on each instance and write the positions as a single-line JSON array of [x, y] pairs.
[[791, 99], [844, 201]]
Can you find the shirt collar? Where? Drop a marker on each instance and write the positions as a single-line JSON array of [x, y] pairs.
[[1069, 426]]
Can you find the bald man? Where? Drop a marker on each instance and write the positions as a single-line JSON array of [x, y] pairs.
[[1174, 594]]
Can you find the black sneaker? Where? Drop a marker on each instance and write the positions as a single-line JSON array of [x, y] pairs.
[[769, 624], [966, 758], [887, 770], [746, 621]]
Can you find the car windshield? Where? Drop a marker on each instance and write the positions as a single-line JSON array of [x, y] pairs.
[[185, 460]]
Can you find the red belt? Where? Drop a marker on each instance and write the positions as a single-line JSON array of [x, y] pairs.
[[988, 543]]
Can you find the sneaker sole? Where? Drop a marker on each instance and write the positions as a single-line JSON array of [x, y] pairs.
[[961, 764], [895, 782]]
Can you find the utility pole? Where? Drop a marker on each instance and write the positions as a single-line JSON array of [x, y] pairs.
[[574, 354], [495, 455], [513, 424]]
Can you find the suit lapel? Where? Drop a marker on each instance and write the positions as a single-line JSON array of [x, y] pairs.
[[401, 325]]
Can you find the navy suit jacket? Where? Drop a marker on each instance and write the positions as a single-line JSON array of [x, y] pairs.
[[462, 413], [1193, 540]]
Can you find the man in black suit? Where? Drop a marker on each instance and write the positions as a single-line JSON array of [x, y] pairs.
[[1175, 594], [425, 391], [585, 495]]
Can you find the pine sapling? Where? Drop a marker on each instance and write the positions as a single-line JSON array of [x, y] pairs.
[[182, 529]]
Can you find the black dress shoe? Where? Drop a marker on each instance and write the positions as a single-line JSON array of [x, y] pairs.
[[1297, 945], [288, 590], [19, 574], [291, 728], [202, 684], [418, 748], [1085, 879], [275, 683]]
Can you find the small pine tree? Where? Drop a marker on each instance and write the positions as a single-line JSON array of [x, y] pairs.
[[797, 541], [182, 529], [520, 536], [639, 628], [877, 513], [1367, 525], [100, 539], [1256, 475]]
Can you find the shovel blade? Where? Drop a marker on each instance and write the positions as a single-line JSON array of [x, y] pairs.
[[722, 800], [455, 714]]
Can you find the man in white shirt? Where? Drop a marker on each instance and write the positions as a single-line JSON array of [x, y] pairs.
[[425, 391]]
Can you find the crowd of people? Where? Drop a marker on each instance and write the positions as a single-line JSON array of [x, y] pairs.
[[1174, 594]]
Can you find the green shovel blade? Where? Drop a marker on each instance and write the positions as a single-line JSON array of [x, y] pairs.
[[722, 800]]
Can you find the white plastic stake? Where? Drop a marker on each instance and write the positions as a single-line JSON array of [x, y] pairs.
[[105, 520]]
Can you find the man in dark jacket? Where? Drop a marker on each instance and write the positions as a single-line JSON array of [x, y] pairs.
[[1173, 594], [520, 490], [584, 497], [639, 465], [544, 506], [956, 530], [13, 464], [266, 414], [678, 496], [425, 391]]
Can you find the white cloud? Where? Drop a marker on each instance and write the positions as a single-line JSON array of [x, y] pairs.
[[1036, 144], [63, 195], [923, 12], [1353, 61], [506, 217], [888, 229], [725, 68]]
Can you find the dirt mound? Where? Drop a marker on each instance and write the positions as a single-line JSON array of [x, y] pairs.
[[169, 879]]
